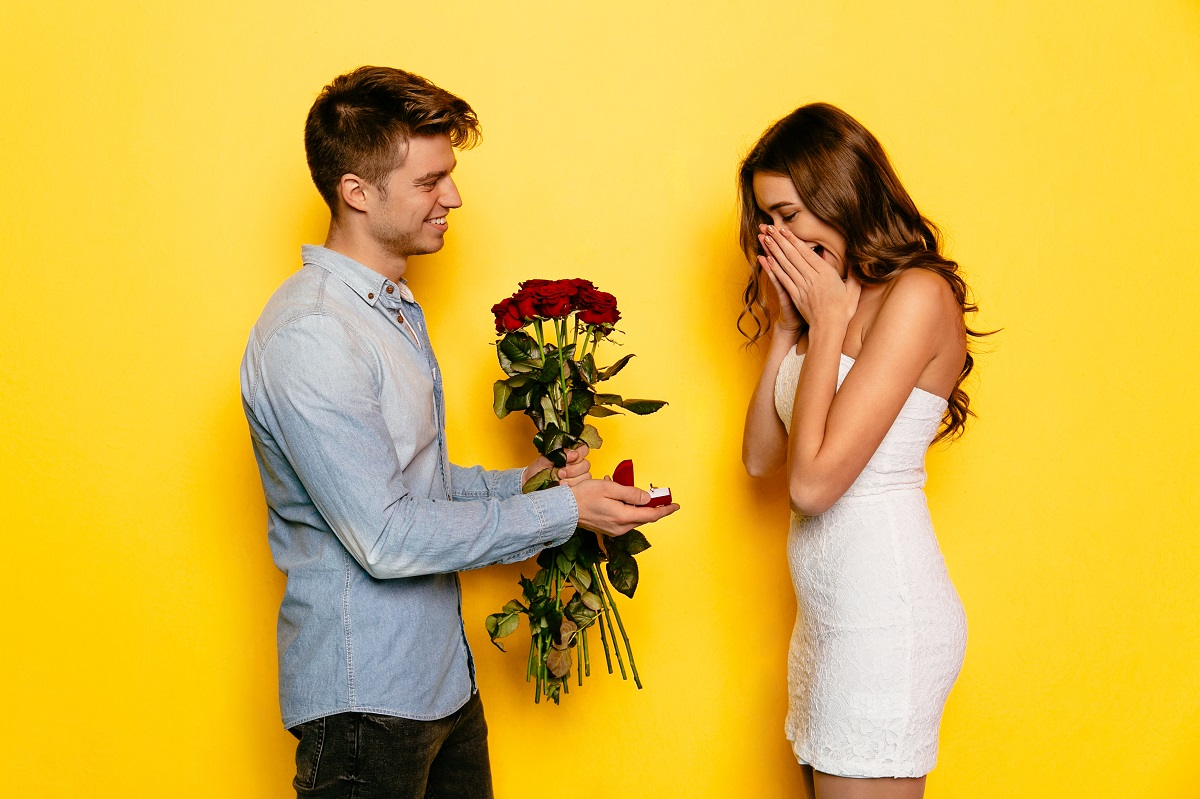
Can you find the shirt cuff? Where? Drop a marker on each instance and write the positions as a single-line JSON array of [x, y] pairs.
[[559, 516]]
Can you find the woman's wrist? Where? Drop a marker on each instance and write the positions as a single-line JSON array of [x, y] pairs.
[[784, 335], [826, 338]]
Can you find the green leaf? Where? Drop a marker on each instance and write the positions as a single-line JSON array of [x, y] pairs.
[[566, 631], [539, 481], [591, 601], [608, 399], [501, 392], [581, 400], [622, 570], [599, 411], [550, 413], [632, 542], [523, 396], [550, 369], [587, 368], [642, 406], [580, 613], [508, 625], [558, 661], [580, 578], [589, 546], [591, 437], [499, 625], [563, 563], [515, 348], [616, 367], [514, 606], [527, 589]]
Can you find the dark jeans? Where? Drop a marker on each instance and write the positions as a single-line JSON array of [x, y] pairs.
[[368, 756]]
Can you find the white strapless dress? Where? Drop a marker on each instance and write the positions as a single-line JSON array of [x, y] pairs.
[[880, 633]]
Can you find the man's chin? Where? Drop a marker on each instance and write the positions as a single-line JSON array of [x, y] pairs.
[[409, 247]]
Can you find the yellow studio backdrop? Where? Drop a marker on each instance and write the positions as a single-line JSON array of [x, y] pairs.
[[155, 194]]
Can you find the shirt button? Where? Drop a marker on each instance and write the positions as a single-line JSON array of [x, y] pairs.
[[390, 289], [370, 296], [400, 318]]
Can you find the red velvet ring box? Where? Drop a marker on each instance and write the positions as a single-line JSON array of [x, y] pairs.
[[623, 474]]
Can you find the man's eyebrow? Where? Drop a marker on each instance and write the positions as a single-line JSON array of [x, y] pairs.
[[429, 177]]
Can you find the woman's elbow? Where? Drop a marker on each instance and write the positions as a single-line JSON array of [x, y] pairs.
[[810, 498], [758, 466]]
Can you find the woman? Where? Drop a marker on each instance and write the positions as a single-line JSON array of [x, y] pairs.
[[867, 356]]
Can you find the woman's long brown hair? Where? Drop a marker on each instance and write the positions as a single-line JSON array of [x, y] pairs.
[[845, 179]]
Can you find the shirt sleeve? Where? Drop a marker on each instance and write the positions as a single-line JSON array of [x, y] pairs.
[[319, 400], [476, 482]]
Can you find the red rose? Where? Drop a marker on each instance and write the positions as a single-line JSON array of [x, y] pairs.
[[508, 318], [597, 308], [526, 306], [553, 300], [532, 284]]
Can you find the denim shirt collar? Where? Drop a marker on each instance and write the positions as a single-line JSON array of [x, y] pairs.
[[362, 280]]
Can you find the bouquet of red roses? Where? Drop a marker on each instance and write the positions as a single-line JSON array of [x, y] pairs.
[[554, 384]]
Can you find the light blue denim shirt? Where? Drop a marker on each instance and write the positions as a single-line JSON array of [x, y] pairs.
[[366, 515]]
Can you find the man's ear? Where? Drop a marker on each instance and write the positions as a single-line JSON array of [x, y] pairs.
[[353, 191]]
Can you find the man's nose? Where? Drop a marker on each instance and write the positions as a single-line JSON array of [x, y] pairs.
[[450, 198]]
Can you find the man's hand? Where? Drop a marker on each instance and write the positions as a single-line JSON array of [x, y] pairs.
[[576, 471], [613, 509]]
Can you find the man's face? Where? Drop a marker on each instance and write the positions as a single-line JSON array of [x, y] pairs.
[[409, 215]]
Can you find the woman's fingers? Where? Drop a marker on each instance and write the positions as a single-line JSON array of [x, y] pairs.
[[803, 253], [773, 249], [797, 252], [784, 282]]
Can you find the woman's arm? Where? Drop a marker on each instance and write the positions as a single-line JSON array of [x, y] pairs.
[[765, 440], [835, 432]]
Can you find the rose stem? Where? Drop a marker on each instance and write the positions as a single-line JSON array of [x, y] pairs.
[[529, 665], [632, 666], [587, 665], [541, 341], [537, 684], [561, 331], [575, 346], [604, 641], [612, 633]]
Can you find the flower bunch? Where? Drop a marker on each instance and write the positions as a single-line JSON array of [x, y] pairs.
[[555, 299], [554, 383]]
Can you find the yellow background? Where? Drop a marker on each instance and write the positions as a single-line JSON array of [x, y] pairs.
[[155, 193]]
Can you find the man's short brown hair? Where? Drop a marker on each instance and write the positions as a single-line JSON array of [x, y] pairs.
[[357, 121]]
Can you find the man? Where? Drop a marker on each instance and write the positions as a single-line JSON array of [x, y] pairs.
[[366, 515]]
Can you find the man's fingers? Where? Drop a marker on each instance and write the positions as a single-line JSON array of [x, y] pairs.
[[642, 516], [574, 469], [630, 495], [577, 454]]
